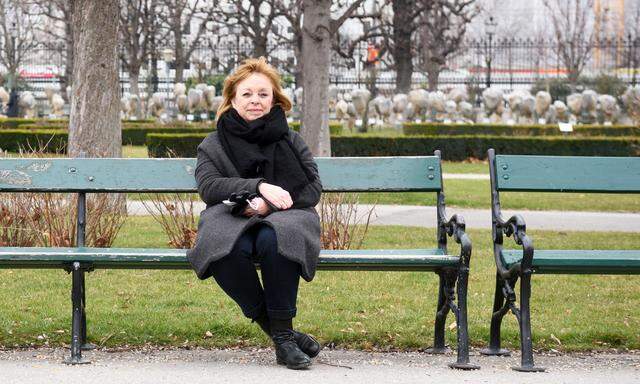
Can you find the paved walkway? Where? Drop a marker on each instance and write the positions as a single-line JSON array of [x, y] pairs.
[[335, 366], [422, 216]]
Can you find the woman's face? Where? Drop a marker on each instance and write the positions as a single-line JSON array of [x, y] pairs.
[[254, 97]]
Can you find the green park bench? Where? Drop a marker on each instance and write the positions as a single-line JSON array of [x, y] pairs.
[[549, 174], [84, 176]]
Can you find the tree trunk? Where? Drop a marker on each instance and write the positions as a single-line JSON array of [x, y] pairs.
[[316, 51], [433, 73], [298, 70], [402, 25], [573, 78], [180, 60], [94, 122], [260, 47], [134, 81]]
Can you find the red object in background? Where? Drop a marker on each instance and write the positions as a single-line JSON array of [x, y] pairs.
[[36, 75], [372, 54]]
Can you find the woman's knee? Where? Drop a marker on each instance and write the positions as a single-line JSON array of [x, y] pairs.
[[266, 242]]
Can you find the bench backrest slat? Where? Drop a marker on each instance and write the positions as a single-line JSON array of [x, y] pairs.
[[568, 174], [163, 175]]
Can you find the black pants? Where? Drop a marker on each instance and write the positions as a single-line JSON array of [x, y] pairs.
[[236, 274]]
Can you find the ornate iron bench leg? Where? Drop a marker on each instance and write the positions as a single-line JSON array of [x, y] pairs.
[[442, 310], [500, 308], [76, 322], [461, 318], [525, 326], [84, 345]]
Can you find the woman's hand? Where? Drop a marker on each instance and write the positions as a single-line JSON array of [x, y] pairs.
[[261, 209], [277, 196]]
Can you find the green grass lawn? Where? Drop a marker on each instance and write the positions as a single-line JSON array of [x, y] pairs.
[[370, 310], [476, 194]]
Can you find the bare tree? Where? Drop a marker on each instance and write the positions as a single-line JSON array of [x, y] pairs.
[[137, 29], [291, 12], [253, 18], [573, 31], [372, 24], [17, 38], [94, 122], [318, 29], [177, 17], [444, 25], [406, 18], [58, 34]]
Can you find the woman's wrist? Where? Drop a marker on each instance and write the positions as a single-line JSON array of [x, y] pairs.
[[258, 186]]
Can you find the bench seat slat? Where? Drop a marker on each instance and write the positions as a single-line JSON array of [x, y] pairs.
[[579, 261], [138, 258]]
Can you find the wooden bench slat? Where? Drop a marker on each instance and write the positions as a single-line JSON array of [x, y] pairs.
[[568, 174], [410, 173], [131, 258], [579, 261]]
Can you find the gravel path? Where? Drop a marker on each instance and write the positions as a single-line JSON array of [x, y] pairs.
[[332, 366]]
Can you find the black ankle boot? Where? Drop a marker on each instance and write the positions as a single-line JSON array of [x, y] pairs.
[[287, 351], [307, 343]]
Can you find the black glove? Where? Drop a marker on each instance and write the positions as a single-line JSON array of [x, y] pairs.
[[238, 201]]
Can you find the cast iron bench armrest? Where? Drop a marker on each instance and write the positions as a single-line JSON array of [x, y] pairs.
[[515, 227], [455, 227]]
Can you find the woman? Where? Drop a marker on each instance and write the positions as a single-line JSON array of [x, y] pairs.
[[254, 151]]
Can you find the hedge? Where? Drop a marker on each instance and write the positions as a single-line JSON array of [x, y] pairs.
[[18, 122], [452, 147], [12, 123], [334, 128], [516, 130], [464, 147], [14, 140], [134, 134]]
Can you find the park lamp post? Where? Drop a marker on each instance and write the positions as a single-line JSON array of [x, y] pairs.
[[490, 29]]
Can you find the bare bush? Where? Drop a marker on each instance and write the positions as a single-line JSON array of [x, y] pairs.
[[338, 220], [15, 219], [174, 212], [49, 219]]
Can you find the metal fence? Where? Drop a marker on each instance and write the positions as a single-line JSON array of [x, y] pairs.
[[508, 63]]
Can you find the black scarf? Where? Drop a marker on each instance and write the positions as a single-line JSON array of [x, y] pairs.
[[261, 148]]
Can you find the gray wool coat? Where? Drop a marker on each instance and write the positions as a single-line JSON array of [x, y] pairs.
[[297, 229]]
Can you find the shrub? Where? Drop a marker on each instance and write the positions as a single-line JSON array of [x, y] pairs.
[[49, 219], [458, 147], [165, 144], [175, 213], [50, 141], [604, 84], [338, 217], [133, 134], [334, 128], [516, 130], [464, 147], [558, 88], [14, 122]]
